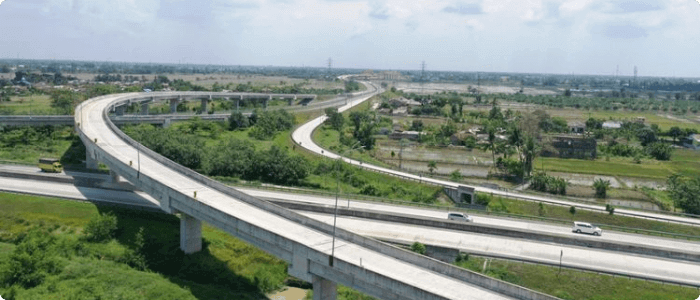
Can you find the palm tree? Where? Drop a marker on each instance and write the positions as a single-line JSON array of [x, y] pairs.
[[432, 166], [601, 187]]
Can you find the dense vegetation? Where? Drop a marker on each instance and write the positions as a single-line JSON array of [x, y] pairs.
[[231, 157], [28, 144], [57, 249]]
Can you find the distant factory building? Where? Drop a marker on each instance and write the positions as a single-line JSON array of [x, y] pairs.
[[566, 146], [692, 141], [612, 125], [577, 127]]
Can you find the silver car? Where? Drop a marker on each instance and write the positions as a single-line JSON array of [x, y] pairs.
[[580, 227], [459, 217]]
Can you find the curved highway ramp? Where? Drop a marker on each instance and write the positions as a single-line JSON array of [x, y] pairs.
[[306, 244]]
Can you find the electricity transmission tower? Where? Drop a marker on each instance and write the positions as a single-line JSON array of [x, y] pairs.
[[330, 63], [422, 76]]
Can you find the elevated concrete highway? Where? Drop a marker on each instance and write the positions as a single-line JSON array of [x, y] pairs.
[[120, 117], [308, 245], [303, 136], [597, 260]]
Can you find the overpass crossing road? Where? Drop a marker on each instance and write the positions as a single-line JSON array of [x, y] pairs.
[[308, 245], [597, 260], [303, 136]]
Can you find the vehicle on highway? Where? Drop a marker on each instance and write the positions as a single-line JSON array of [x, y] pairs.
[[459, 217], [582, 227], [50, 165]]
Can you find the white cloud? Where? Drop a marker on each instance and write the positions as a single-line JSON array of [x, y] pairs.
[[581, 36]]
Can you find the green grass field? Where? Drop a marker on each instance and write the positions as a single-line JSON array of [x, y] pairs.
[[575, 285], [25, 105], [684, 161]]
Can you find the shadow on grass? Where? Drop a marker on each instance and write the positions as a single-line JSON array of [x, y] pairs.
[[202, 273]]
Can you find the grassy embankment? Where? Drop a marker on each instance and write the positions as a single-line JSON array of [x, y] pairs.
[[227, 267], [575, 285]]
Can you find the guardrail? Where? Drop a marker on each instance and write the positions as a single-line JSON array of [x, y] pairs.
[[567, 266], [364, 198]]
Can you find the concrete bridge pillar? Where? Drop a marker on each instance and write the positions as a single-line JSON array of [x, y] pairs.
[[204, 105], [238, 102], [90, 161], [144, 108], [265, 101], [190, 234], [173, 105], [113, 176], [324, 289], [119, 110]]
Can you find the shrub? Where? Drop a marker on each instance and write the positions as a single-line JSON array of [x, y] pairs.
[[101, 228], [33, 259], [483, 199], [601, 187], [418, 248], [462, 257], [544, 183], [610, 209], [541, 210], [455, 175], [572, 210]]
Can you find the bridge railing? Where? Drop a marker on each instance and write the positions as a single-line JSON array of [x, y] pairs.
[[372, 244]]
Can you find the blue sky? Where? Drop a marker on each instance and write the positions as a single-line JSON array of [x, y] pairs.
[[660, 37]]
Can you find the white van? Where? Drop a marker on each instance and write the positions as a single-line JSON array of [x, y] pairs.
[[459, 217], [580, 227]]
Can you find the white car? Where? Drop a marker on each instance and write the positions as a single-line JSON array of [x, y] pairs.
[[459, 217], [580, 227]]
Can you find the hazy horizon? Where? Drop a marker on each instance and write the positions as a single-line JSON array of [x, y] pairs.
[[588, 37]]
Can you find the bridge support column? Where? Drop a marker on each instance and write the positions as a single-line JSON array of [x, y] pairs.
[[238, 102], [144, 109], [265, 101], [113, 176], [173, 105], [90, 162], [190, 234], [203, 106], [324, 289], [119, 110]]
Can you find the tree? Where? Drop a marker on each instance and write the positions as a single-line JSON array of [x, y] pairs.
[[418, 248], [492, 142], [101, 228], [335, 119], [601, 187], [659, 150], [684, 191], [238, 121], [529, 153], [646, 136], [432, 166], [676, 132], [64, 100]]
